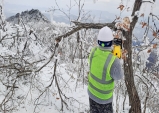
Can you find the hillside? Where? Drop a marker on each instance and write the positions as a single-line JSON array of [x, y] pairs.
[[33, 15]]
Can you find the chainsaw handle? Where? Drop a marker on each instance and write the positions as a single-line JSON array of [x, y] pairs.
[[117, 41]]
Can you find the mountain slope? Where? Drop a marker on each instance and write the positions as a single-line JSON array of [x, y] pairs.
[[33, 15]]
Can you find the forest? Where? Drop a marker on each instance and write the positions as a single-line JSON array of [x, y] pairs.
[[44, 64]]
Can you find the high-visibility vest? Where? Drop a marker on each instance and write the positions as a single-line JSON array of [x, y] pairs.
[[101, 85]]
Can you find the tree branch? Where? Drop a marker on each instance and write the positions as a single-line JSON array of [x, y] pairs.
[[154, 16], [84, 26], [148, 1]]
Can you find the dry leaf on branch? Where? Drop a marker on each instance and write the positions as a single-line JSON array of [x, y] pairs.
[[116, 36], [57, 98], [149, 51], [154, 34], [121, 7], [124, 53], [126, 23], [126, 27], [143, 24], [142, 15], [155, 46]]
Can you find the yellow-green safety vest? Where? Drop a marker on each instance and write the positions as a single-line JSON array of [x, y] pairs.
[[101, 85]]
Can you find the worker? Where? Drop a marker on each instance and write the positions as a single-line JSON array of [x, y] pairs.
[[105, 68]]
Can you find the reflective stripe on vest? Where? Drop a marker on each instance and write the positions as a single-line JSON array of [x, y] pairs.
[[102, 88]]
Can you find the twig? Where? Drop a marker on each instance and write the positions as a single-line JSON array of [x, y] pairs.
[[147, 94], [49, 59], [154, 16]]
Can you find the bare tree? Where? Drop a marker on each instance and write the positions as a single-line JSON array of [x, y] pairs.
[[128, 66], [14, 69]]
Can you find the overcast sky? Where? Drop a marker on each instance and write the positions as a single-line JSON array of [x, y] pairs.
[[15, 6], [100, 4], [45, 4]]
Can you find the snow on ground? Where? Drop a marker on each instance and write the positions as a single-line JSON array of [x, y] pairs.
[[51, 102], [30, 88]]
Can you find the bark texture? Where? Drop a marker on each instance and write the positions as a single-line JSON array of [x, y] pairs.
[[128, 68]]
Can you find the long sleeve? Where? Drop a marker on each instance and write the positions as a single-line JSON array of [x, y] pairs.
[[116, 70]]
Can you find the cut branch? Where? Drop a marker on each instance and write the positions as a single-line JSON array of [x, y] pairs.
[[84, 26]]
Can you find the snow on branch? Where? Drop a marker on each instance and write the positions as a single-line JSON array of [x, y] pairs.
[[150, 1], [80, 26]]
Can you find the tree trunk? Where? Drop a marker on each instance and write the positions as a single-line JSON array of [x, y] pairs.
[[129, 78], [134, 100]]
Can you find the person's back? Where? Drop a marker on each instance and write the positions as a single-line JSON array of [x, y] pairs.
[[104, 69]]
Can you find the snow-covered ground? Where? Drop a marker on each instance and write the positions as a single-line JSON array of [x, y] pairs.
[[50, 102]]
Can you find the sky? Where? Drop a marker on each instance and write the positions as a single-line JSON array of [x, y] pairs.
[[17, 6], [100, 4]]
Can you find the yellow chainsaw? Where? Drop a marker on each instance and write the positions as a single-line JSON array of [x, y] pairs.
[[117, 50]]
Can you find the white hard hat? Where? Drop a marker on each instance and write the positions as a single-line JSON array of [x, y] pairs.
[[105, 34]]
